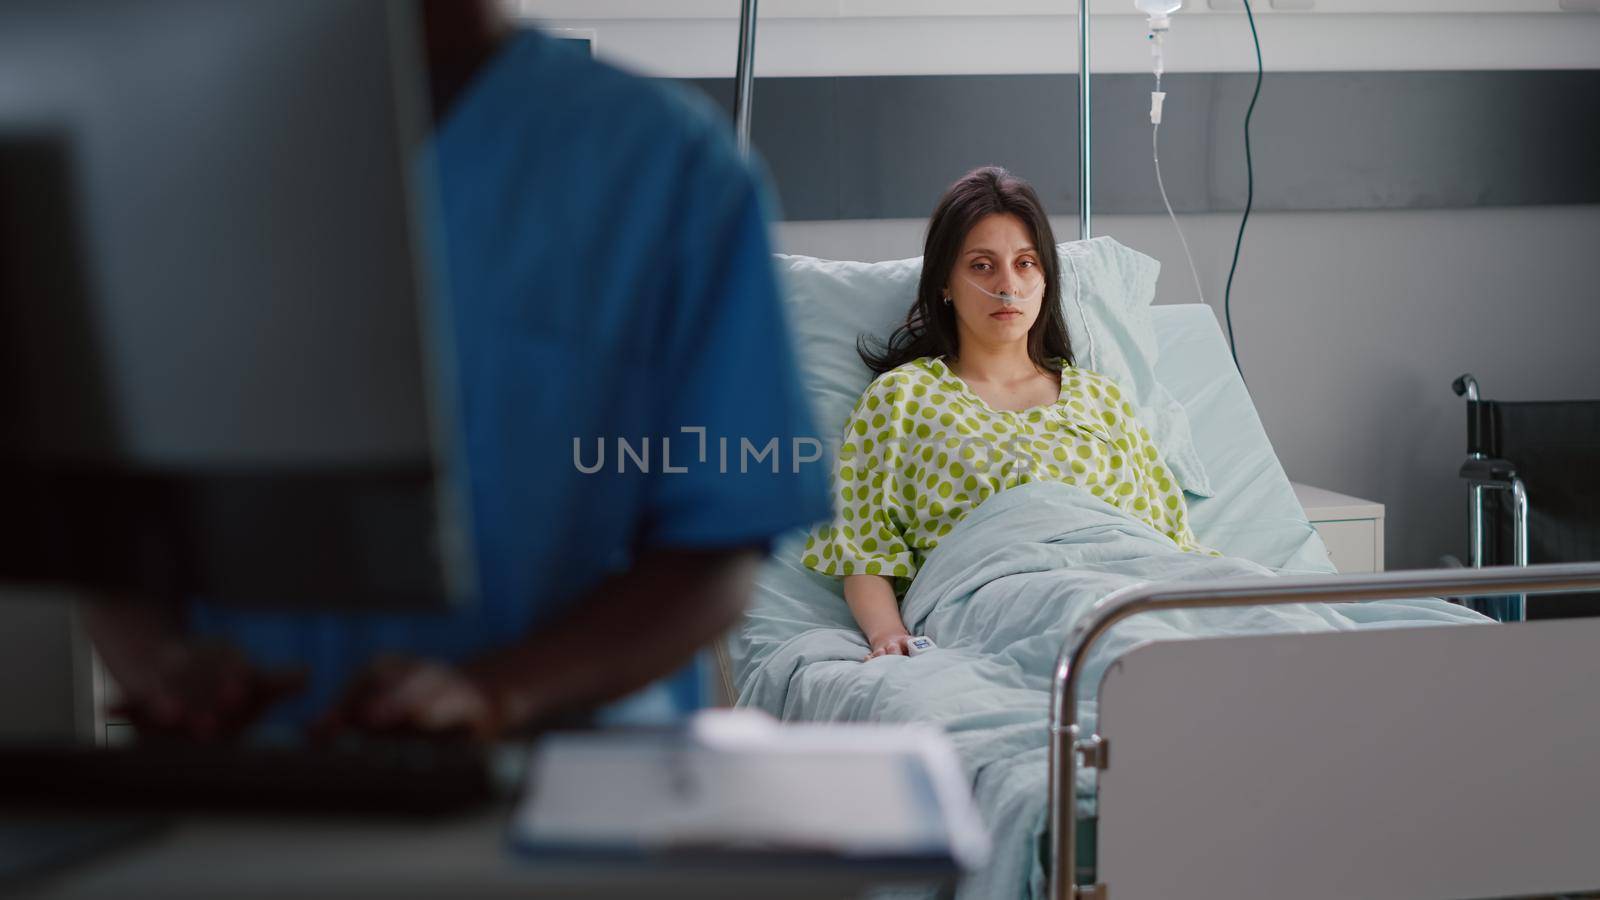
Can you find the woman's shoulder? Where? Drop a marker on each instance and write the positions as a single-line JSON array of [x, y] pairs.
[[917, 371], [1087, 377], [1101, 394]]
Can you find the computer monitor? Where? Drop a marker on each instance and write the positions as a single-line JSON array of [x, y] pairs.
[[224, 362]]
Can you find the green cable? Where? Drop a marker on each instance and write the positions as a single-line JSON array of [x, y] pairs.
[[1250, 192]]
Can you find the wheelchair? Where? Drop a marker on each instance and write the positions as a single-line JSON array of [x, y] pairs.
[[1533, 483]]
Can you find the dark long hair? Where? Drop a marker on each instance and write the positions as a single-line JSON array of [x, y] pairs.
[[930, 325]]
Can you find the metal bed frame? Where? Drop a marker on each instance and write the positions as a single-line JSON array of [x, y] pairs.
[[1068, 747]]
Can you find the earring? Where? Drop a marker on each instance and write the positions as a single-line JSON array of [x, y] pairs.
[[946, 299]]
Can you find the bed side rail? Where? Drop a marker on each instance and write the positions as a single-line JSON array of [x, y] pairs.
[[1065, 743]]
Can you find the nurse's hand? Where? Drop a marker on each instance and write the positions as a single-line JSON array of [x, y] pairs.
[[199, 690], [398, 695], [891, 645]]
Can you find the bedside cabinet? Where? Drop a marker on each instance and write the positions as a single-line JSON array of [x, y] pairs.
[[1352, 528]]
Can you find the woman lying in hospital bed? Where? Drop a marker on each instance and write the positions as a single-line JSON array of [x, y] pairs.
[[977, 393], [991, 488]]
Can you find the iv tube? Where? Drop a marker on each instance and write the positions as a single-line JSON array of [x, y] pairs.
[[1158, 11], [1155, 154]]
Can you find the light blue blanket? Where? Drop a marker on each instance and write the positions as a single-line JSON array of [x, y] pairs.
[[998, 597]]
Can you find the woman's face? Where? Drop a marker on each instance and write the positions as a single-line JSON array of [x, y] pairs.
[[998, 258]]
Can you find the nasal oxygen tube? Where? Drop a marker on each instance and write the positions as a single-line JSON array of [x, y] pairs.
[[1159, 12], [1006, 298]]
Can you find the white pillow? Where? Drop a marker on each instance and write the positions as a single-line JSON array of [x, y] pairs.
[[1113, 333], [829, 304]]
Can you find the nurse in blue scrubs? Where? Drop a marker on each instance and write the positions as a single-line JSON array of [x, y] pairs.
[[609, 271]]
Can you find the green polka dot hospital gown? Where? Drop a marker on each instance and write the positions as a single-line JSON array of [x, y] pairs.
[[921, 450]]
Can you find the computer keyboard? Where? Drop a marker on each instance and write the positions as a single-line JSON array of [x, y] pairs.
[[380, 777]]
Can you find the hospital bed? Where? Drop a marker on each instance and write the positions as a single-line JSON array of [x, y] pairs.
[[1427, 762], [1402, 762]]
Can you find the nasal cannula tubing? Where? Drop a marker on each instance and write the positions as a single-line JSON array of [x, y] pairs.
[[1005, 297]]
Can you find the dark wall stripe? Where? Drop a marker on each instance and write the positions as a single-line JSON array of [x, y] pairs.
[[886, 146]]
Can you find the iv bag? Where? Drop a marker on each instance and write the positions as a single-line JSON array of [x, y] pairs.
[[1155, 8]]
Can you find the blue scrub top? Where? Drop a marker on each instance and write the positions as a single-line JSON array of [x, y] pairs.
[[609, 277]]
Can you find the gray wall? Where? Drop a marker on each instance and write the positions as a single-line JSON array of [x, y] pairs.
[[1352, 324], [884, 147]]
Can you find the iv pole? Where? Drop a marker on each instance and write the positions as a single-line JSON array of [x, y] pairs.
[[744, 74], [1083, 119], [744, 82]]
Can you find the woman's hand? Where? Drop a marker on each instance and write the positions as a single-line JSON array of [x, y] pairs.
[[877, 612], [893, 644]]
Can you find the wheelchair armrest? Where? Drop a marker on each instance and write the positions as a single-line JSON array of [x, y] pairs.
[[1489, 470]]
